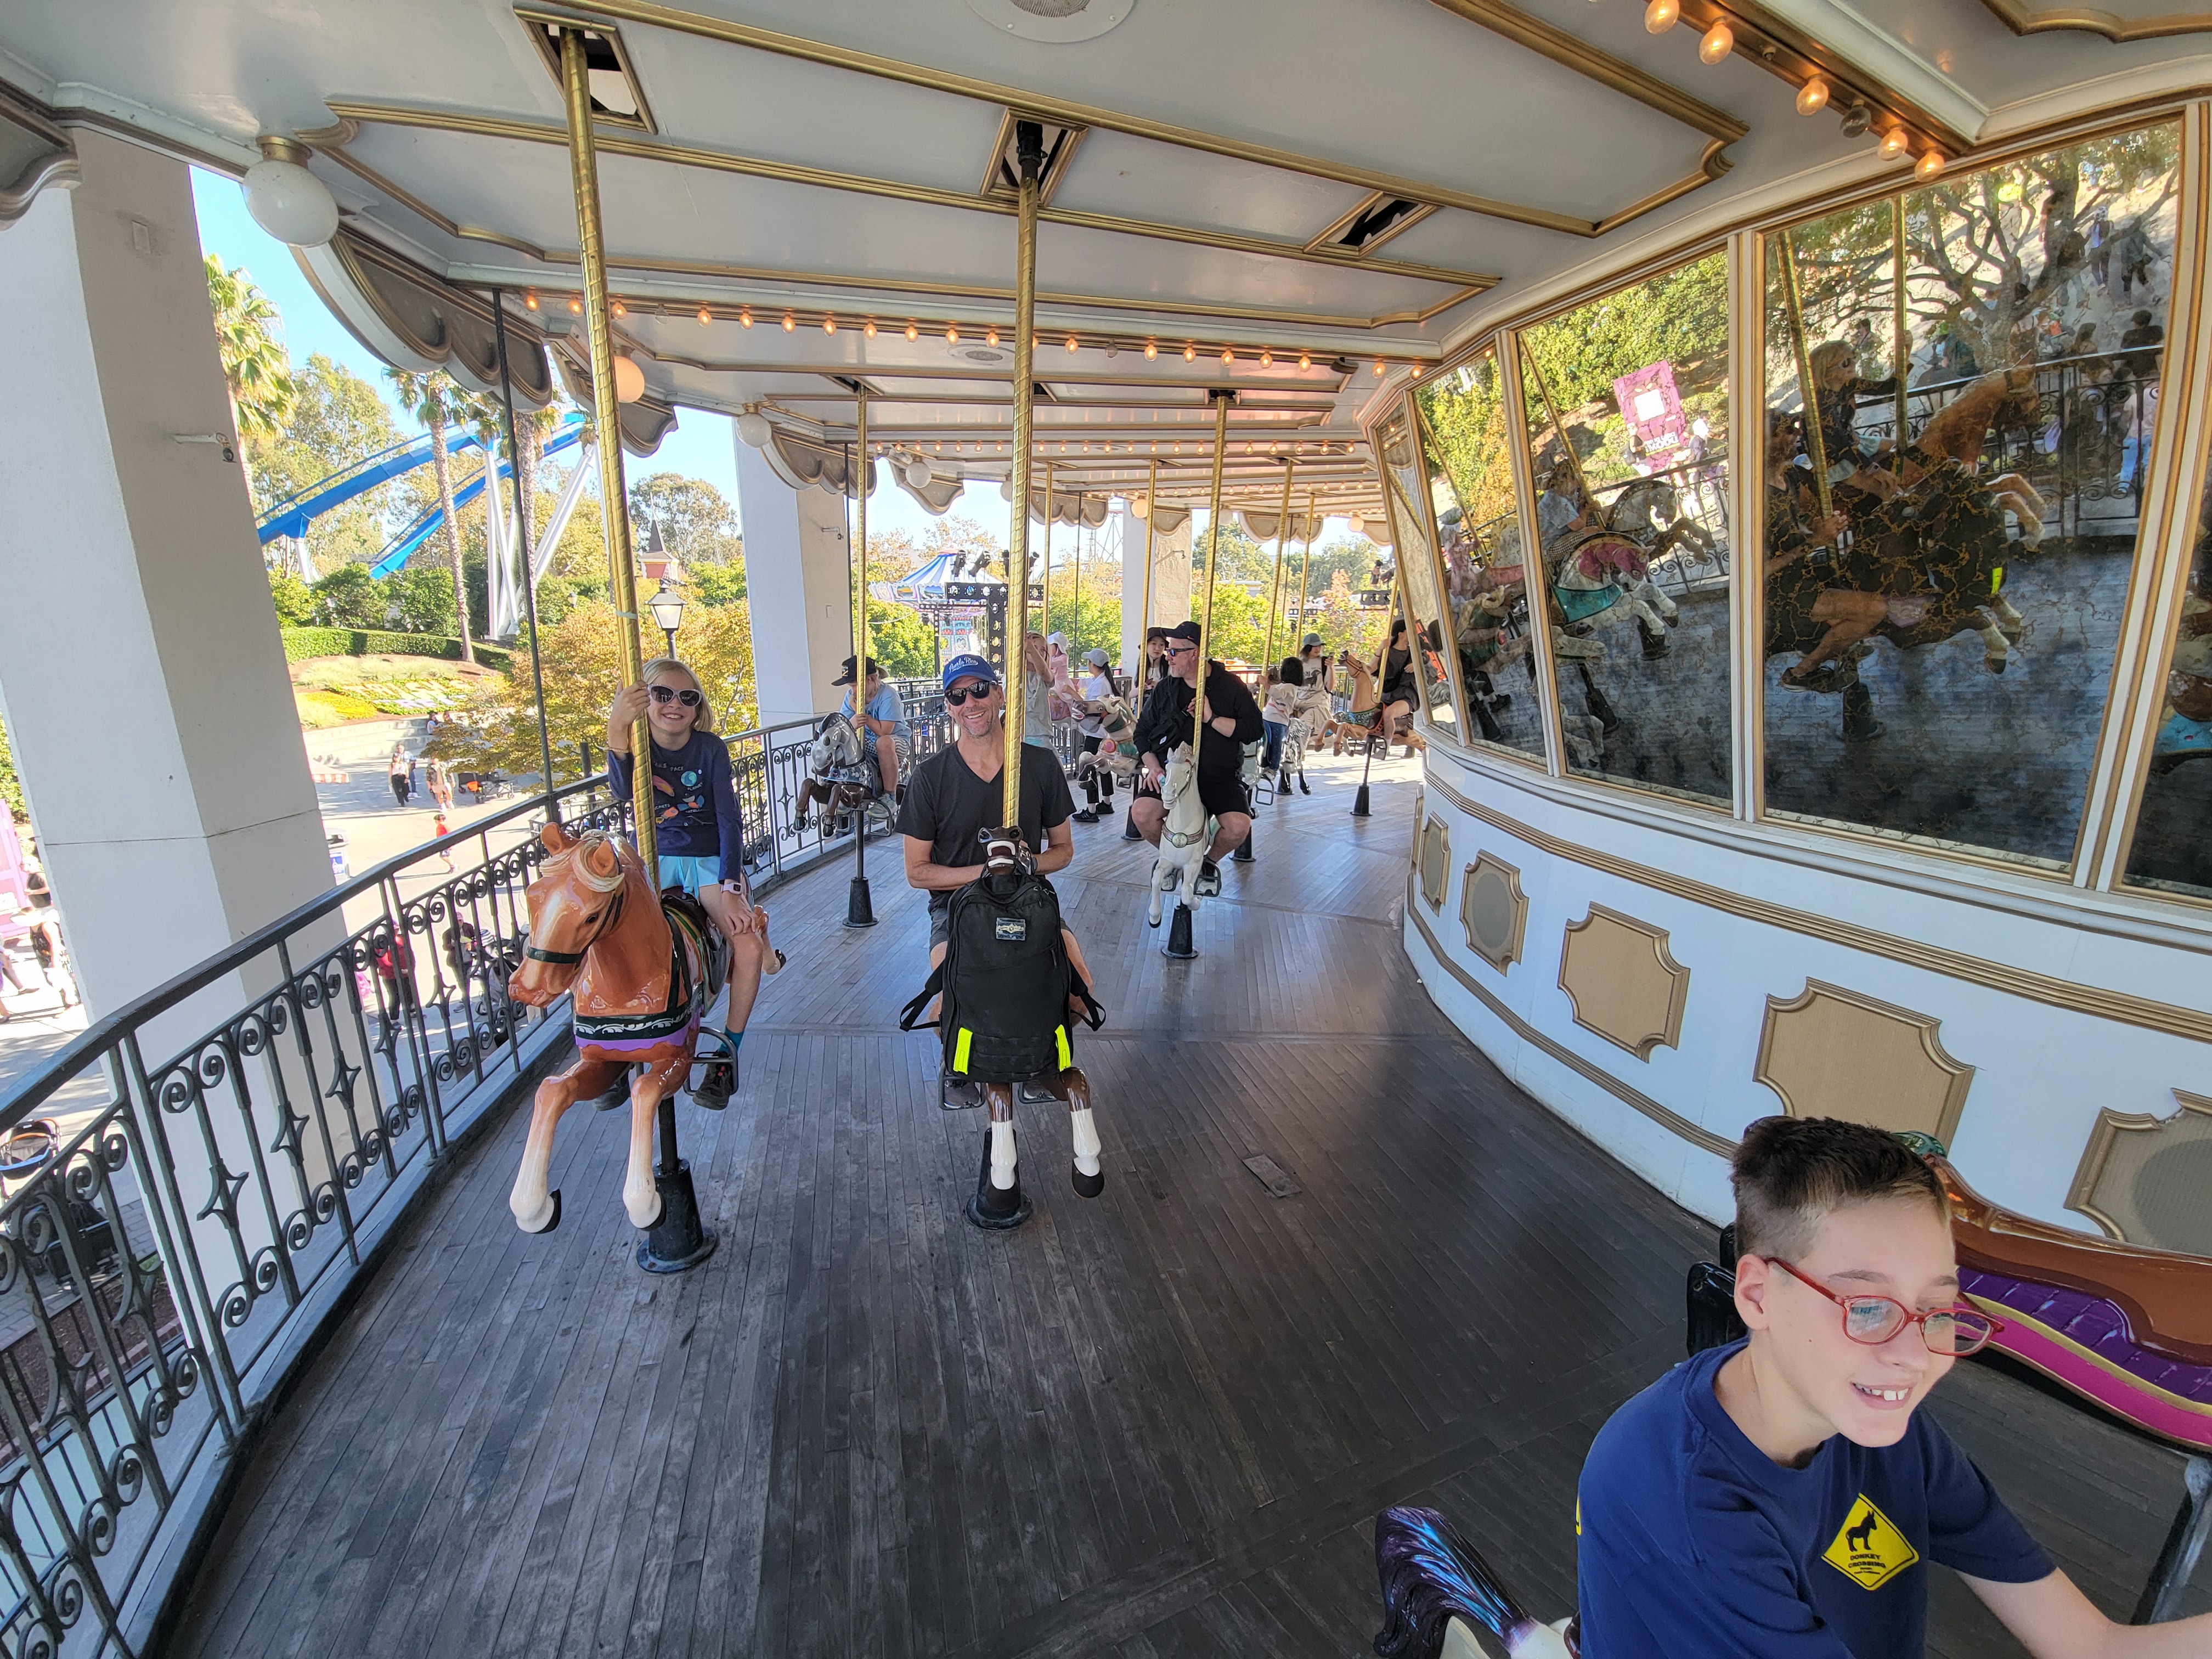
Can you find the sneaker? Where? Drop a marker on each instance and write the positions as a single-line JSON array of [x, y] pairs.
[[715, 1088], [1035, 1094], [1208, 885], [1086, 816], [959, 1094]]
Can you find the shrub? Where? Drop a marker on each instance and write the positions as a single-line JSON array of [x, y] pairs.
[[301, 644]]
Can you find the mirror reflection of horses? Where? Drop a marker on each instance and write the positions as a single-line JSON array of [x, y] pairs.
[[1117, 755], [843, 771], [1366, 701], [643, 969]]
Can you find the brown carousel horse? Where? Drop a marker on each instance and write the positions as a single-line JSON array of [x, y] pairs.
[[644, 969]]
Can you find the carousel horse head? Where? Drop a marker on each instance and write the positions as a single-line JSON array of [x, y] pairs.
[[1646, 505], [2005, 401], [1003, 852], [836, 743], [1113, 716], [577, 896]]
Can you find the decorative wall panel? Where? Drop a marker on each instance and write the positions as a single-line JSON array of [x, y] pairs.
[[2148, 1180], [1623, 982], [1832, 1052], [1493, 910], [1436, 862]]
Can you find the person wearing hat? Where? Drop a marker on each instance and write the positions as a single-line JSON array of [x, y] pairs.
[[883, 721], [1232, 720], [958, 793], [1313, 660], [1098, 686]]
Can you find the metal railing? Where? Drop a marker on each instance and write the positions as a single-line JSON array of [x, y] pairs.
[[187, 1188]]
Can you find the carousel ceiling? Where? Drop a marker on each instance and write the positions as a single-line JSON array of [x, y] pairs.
[[806, 200]]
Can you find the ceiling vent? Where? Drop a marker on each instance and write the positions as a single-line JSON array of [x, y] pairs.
[[617, 98], [1002, 180], [982, 354], [1372, 223], [1053, 22]]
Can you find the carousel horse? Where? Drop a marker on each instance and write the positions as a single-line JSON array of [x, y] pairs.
[[644, 969], [1117, 754], [1345, 710], [1432, 1578], [1937, 553], [1310, 717], [1185, 834], [1652, 507], [843, 773]]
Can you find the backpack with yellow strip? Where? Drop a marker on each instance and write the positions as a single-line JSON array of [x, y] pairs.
[[1006, 980]]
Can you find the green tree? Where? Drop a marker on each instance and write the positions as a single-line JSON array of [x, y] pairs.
[[349, 597], [294, 600], [424, 598], [11, 786], [338, 420], [255, 368], [696, 523], [898, 639], [717, 584], [582, 657], [435, 400]]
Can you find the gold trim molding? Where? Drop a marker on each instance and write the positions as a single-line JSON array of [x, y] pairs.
[[2192, 1024], [2105, 1137], [2026, 17], [1623, 982], [1490, 873], [1827, 1051], [1671, 1121]]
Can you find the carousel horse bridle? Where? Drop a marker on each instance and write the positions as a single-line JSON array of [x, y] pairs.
[[567, 958]]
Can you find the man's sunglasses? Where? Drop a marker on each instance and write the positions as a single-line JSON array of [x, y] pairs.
[[959, 694], [684, 695], [1180, 650]]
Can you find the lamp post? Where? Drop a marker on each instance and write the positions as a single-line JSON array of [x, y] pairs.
[[667, 608]]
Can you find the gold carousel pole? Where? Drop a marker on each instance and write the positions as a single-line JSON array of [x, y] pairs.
[[1807, 395], [1574, 461], [1282, 542], [1144, 605], [1028, 148], [607, 417], [859, 905], [1901, 354], [1075, 626], [1046, 626], [1221, 401]]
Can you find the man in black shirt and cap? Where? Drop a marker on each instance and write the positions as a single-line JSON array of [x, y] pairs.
[[1232, 719]]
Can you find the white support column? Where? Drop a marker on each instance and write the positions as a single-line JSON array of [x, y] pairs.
[[799, 587], [144, 681], [1170, 585]]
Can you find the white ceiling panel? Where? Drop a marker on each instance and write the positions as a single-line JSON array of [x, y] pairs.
[[1963, 41]]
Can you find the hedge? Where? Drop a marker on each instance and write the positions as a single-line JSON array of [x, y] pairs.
[[301, 644]]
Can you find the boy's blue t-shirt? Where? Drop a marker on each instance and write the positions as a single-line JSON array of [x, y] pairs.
[[1693, 1541], [697, 816], [883, 705]]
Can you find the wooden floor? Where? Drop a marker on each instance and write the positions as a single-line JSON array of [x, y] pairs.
[[1155, 1424]]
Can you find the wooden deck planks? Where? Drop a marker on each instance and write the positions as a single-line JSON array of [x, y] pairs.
[[1157, 1424]]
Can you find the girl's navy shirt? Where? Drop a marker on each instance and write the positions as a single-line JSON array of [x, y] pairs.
[[1693, 1541], [697, 814]]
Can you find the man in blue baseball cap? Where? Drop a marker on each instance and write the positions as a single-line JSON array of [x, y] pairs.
[[958, 793]]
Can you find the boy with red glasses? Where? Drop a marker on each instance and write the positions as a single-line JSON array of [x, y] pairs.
[[1781, 1498]]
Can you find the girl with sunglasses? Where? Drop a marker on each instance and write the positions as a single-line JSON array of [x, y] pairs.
[[700, 836]]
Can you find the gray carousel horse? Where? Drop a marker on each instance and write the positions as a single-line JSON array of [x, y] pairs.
[[843, 771]]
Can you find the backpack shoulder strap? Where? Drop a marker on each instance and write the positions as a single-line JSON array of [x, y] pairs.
[[910, 1016]]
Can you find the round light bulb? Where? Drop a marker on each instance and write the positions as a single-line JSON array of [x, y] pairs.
[[1305, 360], [629, 381], [1717, 42], [789, 322], [530, 302], [868, 329], [1813, 96], [754, 429], [1189, 352], [990, 337], [1071, 342], [290, 202], [1151, 348], [1227, 356], [620, 309], [912, 332], [1930, 164], [1895, 142], [705, 316], [745, 317], [576, 308], [829, 325], [1267, 359], [1662, 14], [1378, 366], [951, 334]]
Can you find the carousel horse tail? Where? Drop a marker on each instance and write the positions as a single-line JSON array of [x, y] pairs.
[[1431, 1575]]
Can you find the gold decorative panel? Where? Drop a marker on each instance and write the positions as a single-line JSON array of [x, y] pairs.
[[1832, 1052], [2148, 1180], [1493, 910], [1435, 862], [1623, 982]]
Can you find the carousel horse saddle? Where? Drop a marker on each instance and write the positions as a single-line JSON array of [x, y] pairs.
[[686, 1003]]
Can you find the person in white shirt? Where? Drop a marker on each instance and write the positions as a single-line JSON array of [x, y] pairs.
[[1097, 685]]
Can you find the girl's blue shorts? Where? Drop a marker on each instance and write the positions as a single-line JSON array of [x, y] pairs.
[[689, 873]]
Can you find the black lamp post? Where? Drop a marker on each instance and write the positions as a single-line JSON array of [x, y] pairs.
[[667, 608]]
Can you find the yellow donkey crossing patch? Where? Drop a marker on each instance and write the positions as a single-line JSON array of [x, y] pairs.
[[1870, 1550]]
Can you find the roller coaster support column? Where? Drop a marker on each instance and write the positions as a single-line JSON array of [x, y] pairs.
[[1179, 942], [677, 1240], [860, 909]]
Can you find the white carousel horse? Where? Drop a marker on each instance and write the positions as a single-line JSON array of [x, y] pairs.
[[1117, 755], [843, 772], [1309, 719], [1184, 834]]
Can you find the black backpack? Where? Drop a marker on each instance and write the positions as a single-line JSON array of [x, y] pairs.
[[1006, 980]]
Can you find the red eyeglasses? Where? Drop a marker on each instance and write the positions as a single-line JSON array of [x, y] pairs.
[[1952, 1332]]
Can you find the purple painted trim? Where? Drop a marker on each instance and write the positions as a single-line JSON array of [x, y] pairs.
[[2098, 1325]]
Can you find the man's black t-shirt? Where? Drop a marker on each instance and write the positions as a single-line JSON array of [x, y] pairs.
[[1165, 721], [949, 806]]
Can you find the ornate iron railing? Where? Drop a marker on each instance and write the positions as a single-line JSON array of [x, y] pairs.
[[188, 1188]]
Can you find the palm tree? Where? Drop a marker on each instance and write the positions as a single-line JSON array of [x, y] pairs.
[[263, 390], [435, 399]]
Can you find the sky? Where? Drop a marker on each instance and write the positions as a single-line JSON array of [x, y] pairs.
[[699, 446]]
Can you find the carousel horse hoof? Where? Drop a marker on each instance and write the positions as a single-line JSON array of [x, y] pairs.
[[1996, 664], [1657, 645], [1086, 1186], [553, 1220]]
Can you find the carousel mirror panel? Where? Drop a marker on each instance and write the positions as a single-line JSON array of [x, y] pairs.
[[1941, 617], [1626, 403], [2171, 851], [1461, 413], [1413, 668]]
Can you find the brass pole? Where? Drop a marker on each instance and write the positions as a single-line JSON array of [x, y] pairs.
[[1144, 605], [1901, 358], [1075, 627], [607, 416], [1275, 597], [1221, 401], [862, 478], [1807, 395], [1305, 564], [1574, 461], [1028, 148], [1047, 627]]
